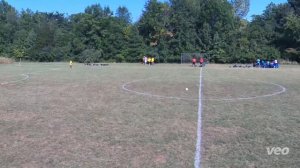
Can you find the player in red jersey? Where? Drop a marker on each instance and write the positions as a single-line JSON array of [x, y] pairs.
[[201, 61], [194, 62]]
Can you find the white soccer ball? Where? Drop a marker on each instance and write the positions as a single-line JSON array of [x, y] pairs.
[[186, 89]]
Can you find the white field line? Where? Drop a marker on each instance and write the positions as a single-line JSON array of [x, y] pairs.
[[26, 76], [282, 90], [197, 162], [149, 94]]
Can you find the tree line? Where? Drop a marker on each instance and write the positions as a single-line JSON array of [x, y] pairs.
[[165, 30]]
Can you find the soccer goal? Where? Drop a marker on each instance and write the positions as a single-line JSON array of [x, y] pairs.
[[186, 58]]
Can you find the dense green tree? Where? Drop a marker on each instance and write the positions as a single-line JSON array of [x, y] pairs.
[[295, 4], [123, 14], [165, 30], [241, 7], [98, 12]]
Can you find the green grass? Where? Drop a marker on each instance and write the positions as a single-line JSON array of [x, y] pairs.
[[82, 117], [237, 133]]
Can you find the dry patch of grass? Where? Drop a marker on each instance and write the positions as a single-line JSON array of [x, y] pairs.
[[82, 117], [237, 133]]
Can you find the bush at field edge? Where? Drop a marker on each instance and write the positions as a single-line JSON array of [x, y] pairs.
[[4, 60]]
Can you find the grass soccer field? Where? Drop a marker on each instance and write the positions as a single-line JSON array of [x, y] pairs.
[[131, 115]]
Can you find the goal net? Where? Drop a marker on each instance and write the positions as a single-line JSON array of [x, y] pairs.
[[186, 58]]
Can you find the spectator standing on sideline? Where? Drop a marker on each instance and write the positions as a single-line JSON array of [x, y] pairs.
[[258, 62], [276, 63]]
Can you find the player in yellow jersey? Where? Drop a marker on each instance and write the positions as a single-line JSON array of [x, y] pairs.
[[152, 60], [71, 64], [149, 60]]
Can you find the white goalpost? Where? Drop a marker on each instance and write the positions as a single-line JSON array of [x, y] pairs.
[[186, 58]]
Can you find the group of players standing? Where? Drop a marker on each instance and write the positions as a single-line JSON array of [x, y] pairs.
[[266, 63], [148, 60], [201, 61]]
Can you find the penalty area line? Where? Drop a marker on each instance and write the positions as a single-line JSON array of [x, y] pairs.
[[197, 162]]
